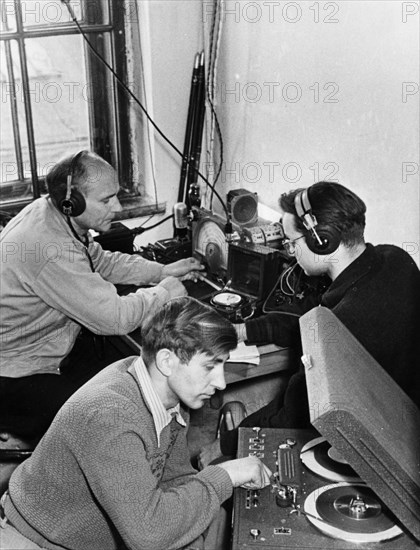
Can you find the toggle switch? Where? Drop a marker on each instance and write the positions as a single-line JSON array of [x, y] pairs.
[[255, 533]]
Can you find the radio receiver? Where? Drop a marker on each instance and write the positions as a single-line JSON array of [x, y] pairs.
[[269, 234], [244, 272], [252, 274], [209, 242]]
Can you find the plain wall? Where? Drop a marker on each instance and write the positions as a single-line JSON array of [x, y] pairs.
[[305, 91], [301, 101]]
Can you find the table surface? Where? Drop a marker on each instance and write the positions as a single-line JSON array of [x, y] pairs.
[[272, 359]]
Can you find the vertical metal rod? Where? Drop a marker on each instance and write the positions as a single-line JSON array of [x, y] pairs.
[[13, 102], [197, 136], [27, 102], [182, 196], [198, 122]]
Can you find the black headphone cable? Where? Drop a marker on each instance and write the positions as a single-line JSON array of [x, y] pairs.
[[85, 242]]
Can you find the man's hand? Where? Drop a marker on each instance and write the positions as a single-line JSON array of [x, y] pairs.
[[247, 472], [174, 287], [185, 269]]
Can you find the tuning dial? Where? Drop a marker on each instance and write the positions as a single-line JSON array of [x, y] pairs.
[[255, 533]]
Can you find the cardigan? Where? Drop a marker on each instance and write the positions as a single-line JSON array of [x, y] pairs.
[[99, 479]]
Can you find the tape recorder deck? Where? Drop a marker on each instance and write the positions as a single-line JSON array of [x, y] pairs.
[[241, 273], [354, 483], [252, 272], [315, 500]]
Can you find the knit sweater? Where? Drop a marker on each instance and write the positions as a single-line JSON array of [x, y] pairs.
[[99, 479], [48, 290], [377, 297]]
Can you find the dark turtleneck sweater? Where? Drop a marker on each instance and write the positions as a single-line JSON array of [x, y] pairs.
[[377, 297]]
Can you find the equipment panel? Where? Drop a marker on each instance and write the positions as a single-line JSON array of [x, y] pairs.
[[316, 500]]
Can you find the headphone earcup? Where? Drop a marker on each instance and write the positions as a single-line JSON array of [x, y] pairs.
[[330, 239], [75, 205]]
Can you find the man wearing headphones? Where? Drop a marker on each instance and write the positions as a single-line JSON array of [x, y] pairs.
[[55, 279], [374, 291]]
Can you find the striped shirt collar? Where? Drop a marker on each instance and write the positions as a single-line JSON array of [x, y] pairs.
[[161, 416]]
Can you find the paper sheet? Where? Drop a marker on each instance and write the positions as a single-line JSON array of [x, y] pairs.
[[245, 354]]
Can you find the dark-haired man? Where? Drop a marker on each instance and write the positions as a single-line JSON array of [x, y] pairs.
[[113, 470], [55, 279], [374, 291]]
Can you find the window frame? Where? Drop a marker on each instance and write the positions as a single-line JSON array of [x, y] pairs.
[[108, 110]]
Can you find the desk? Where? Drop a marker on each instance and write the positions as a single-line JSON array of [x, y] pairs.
[[271, 362]]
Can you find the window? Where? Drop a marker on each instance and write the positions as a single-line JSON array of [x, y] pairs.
[[57, 96]]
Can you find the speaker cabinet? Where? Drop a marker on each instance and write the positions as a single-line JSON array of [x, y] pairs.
[[243, 206]]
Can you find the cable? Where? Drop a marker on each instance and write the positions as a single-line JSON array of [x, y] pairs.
[[270, 294], [79, 238], [148, 219], [219, 134], [264, 306], [6, 214], [215, 63], [149, 118], [283, 275], [141, 229], [211, 80]]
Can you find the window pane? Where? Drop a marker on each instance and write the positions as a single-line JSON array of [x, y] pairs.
[[8, 157], [8, 16], [53, 12], [13, 131], [60, 97], [36, 13]]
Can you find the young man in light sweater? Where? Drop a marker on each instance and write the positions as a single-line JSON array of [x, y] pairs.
[[113, 470]]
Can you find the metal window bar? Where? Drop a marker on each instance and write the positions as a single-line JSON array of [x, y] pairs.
[[58, 31], [27, 101], [19, 36], [13, 102]]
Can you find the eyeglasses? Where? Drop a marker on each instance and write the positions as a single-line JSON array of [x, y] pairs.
[[290, 245]]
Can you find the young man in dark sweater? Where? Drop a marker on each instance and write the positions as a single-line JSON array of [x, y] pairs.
[[374, 291], [113, 470]]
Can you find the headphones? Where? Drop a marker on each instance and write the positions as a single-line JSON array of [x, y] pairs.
[[321, 239], [74, 202]]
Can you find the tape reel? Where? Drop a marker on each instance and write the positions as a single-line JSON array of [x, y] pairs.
[[233, 306]]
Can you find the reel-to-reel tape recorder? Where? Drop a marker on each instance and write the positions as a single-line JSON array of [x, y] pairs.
[[315, 500], [241, 272], [353, 484]]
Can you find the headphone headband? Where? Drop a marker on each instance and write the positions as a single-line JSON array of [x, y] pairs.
[[304, 210], [74, 203], [323, 241]]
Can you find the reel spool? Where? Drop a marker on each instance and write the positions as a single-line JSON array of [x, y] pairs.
[[232, 305], [350, 512]]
